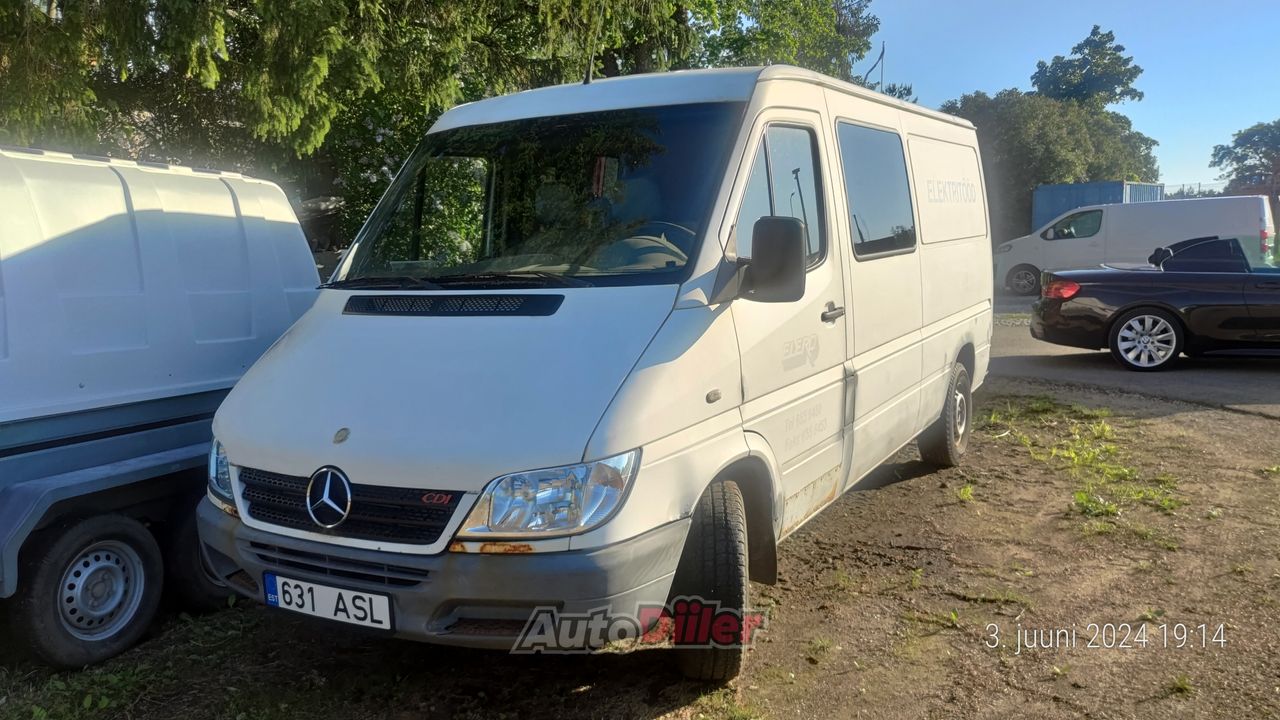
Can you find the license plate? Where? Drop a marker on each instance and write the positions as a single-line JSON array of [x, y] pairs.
[[331, 603]]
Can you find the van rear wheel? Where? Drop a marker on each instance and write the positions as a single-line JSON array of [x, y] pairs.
[[713, 568], [89, 591], [944, 443]]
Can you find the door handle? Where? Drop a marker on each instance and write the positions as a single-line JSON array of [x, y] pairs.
[[832, 313], [1268, 285]]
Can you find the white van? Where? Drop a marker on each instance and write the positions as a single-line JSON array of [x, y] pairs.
[[600, 346], [1128, 233], [132, 297]]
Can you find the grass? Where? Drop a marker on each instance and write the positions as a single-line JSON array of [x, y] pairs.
[[965, 493], [124, 689], [1085, 444], [1003, 597], [1180, 686], [950, 621], [1151, 615], [818, 649], [723, 704], [842, 580]]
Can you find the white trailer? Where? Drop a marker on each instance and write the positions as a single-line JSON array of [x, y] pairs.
[[132, 297]]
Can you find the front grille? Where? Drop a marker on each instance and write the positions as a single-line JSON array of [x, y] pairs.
[[378, 513], [453, 305], [338, 567]]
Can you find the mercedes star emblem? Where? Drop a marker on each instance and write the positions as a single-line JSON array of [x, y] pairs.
[[329, 497]]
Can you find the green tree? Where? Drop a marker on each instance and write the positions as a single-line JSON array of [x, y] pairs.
[[1097, 73], [1251, 162], [348, 86], [828, 36], [1028, 140]]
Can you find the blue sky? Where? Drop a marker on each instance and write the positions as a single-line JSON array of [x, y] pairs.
[[1210, 67]]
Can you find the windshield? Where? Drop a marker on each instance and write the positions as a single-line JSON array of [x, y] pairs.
[[606, 198]]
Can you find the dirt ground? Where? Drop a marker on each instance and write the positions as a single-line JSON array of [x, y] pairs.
[[1156, 522]]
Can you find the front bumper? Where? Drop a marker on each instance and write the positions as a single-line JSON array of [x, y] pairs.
[[454, 598]]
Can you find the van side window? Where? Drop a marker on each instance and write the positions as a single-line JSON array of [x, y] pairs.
[[875, 182], [1080, 225], [783, 182]]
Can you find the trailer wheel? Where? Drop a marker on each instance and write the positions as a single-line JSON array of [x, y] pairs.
[[713, 568], [90, 592], [186, 570]]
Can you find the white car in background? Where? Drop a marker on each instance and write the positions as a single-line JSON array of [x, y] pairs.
[[1128, 233]]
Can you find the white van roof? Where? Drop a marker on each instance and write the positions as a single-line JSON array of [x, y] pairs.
[[650, 89], [122, 282], [1154, 205]]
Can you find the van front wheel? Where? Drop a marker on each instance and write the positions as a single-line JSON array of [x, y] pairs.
[[944, 442], [187, 571], [713, 570], [1023, 280]]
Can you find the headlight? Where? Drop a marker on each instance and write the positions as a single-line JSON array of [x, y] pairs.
[[219, 472], [555, 501], [1004, 248]]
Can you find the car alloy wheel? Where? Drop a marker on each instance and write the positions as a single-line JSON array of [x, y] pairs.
[[1147, 341]]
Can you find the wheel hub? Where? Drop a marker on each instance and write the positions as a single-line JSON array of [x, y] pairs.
[[101, 590], [1147, 341]]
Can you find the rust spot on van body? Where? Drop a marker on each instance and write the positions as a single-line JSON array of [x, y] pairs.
[[492, 548], [506, 548]]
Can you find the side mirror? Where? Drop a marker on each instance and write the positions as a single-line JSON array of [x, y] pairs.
[[776, 270], [1048, 234]]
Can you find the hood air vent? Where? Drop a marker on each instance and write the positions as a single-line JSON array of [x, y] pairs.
[[453, 305]]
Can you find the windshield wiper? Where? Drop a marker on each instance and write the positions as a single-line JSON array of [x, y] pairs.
[[517, 276], [403, 282]]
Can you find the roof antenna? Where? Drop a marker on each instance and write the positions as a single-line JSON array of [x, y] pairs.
[[591, 59]]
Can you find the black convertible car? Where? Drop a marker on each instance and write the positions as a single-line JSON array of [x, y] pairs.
[[1197, 296]]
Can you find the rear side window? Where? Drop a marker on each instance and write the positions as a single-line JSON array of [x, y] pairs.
[[879, 194], [783, 182], [1208, 257]]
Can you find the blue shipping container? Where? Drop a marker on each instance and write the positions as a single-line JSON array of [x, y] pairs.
[[1050, 201]]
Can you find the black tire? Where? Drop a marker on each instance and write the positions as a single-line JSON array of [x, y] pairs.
[[713, 567], [186, 571], [944, 442], [1023, 280], [111, 552], [1146, 339]]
